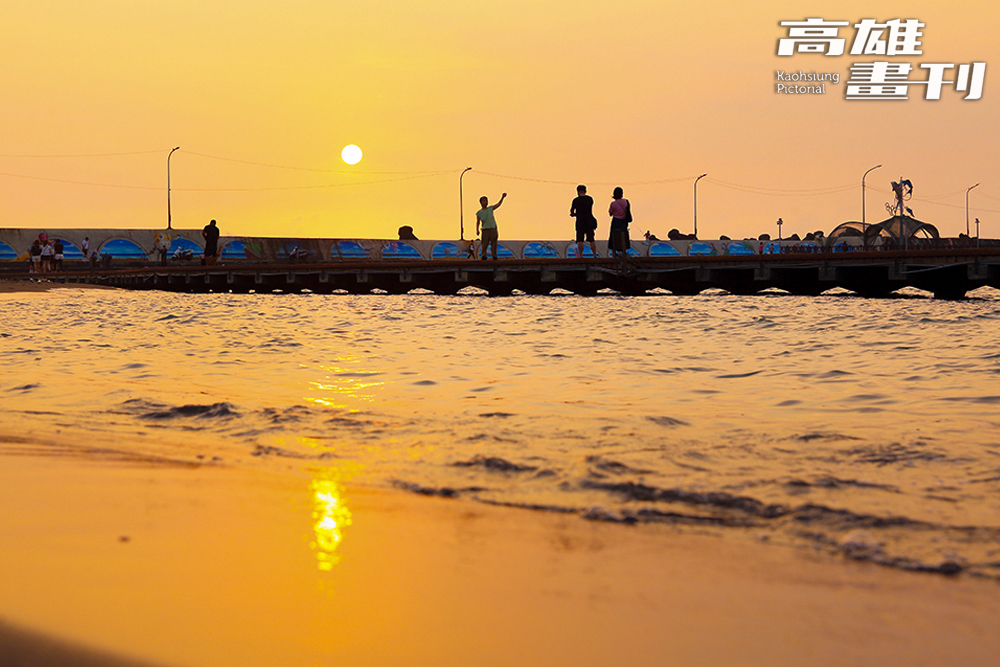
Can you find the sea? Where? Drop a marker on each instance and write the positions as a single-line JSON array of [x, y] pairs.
[[867, 429]]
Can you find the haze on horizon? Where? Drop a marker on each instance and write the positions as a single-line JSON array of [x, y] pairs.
[[536, 98]]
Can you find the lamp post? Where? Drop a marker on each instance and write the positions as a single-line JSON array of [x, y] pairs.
[[168, 185], [864, 227], [461, 207], [780, 222], [696, 203], [977, 232], [967, 208]]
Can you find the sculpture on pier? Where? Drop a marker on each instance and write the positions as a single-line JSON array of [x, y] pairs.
[[903, 191]]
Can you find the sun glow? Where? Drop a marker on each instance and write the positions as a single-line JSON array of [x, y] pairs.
[[351, 154]]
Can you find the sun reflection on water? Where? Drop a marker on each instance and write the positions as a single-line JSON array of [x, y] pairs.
[[346, 383], [330, 517]]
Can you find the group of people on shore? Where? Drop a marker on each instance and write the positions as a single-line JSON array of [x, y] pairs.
[[45, 255], [582, 209]]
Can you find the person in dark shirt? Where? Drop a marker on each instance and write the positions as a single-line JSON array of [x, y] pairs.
[[586, 224], [58, 248], [211, 235]]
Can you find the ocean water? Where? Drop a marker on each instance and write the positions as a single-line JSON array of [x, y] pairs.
[[837, 424]]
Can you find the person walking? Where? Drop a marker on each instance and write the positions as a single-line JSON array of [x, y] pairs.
[[582, 209], [484, 217], [621, 214], [211, 236]]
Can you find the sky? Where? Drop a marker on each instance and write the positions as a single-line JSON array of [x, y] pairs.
[[536, 97]]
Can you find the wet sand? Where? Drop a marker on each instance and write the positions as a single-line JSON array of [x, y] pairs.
[[180, 563], [20, 648], [50, 282]]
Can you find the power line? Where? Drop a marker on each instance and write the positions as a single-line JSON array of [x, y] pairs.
[[83, 154], [551, 182], [290, 187], [778, 192], [325, 171]]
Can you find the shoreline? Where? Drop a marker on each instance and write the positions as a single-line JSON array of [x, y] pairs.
[[212, 565], [23, 648], [35, 285]]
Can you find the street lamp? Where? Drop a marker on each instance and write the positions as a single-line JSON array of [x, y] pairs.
[[168, 185], [864, 227], [780, 222], [461, 208], [696, 203], [977, 232], [967, 208]]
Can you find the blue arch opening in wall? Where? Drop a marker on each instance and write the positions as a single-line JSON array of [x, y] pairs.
[[6, 252], [350, 250], [70, 251], [183, 244], [233, 250], [587, 252], [504, 252], [699, 249], [400, 250], [446, 249], [663, 250], [123, 249], [772, 249], [537, 250], [737, 248]]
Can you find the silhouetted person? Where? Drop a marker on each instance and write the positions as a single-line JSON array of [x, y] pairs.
[[48, 253], [586, 224], [35, 253], [406, 234], [58, 256], [484, 217], [621, 214], [211, 235]]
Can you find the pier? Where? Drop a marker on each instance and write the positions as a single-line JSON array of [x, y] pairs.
[[948, 274], [171, 261]]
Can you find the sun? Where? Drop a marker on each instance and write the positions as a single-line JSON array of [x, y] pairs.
[[351, 154]]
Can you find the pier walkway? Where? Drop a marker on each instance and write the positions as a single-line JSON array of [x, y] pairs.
[[948, 274]]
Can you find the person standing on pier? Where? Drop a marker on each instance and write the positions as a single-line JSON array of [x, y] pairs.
[[57, 249], [211, 235], [484, 217], [586, 224], [35, 253], [621, 214], [48, 253]]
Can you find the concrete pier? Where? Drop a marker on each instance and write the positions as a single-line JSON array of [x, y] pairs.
[[948, 274]]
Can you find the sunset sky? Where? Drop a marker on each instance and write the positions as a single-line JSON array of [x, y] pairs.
[[536, 97]]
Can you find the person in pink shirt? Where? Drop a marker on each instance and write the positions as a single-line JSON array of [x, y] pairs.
[[621, 214]]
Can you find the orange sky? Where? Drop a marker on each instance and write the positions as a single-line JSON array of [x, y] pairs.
[[611, 93]]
